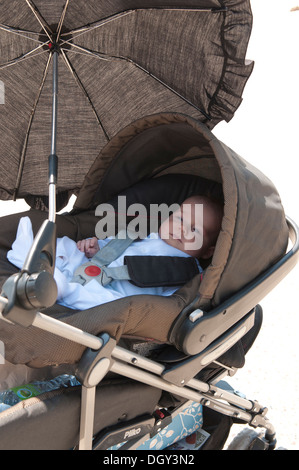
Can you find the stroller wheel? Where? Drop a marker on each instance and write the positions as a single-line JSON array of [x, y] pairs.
[[248, 439]]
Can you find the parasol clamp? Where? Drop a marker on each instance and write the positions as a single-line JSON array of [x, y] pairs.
[[26, 294], [34, 287]]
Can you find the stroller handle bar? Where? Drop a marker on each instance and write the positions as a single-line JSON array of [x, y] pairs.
[[236, 308]]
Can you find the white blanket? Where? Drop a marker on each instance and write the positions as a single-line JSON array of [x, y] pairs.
[[68, 258]]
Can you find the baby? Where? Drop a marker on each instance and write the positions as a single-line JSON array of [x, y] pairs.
[[190, 230]]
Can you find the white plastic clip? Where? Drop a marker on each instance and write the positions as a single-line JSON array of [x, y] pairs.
[[195, 315]]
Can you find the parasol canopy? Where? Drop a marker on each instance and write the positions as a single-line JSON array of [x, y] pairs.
[[117, 61]]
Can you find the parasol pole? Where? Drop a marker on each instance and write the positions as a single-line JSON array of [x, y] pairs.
[[53, 159], [34, 286]]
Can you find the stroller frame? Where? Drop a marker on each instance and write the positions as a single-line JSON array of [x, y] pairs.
[[203, 337]]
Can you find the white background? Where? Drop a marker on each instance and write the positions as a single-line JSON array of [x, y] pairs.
[[265, 132]]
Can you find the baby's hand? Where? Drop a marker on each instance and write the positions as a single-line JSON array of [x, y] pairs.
[[89, 246]]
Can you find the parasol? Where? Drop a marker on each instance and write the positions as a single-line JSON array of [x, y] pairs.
[[74, 73]]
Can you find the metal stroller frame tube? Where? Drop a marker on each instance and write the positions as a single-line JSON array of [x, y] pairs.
[[53, 160], [46, 323], [69, 332]]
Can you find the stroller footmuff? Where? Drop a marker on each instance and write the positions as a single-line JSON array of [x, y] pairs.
[[172, 349]]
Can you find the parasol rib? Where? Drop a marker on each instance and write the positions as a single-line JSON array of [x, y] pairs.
[[103, 56], [20, 32], [27, 55], [98, 24], [22, 159], [86, 29], [78, 32], [79, 83], [40, 19]]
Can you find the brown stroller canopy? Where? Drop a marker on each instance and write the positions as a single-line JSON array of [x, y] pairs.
[[254, 231]]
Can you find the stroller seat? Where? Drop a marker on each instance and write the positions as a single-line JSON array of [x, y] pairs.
[[197, 336]]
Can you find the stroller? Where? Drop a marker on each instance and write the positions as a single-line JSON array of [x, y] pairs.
[[195, 338], [144, 361]]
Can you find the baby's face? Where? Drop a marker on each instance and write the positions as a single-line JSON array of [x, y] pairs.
[[187, 229]]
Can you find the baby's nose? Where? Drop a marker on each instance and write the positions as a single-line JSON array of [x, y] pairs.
[[186, 230]]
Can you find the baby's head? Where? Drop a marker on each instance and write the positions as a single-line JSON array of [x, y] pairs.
[[194, 228]]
